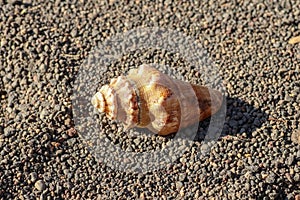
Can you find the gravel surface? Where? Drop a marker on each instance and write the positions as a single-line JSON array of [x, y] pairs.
[[43, 45]]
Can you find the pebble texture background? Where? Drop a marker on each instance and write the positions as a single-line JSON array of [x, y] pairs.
[[42, 45]]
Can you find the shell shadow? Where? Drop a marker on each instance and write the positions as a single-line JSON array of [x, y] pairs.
[[240, 118]]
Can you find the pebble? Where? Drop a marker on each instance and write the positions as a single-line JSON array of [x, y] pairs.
[[33, 176], [40, 185], [179, 185], [295, 137], [294, 40], [182, 177]]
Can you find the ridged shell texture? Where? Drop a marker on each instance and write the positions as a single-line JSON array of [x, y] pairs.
[[148, 98]]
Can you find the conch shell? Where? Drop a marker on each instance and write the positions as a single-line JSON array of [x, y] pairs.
[[148, 98]]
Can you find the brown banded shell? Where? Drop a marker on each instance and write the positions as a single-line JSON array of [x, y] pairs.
[[148, 98]]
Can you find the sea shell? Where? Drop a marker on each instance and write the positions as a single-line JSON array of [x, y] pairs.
[[148, 98]]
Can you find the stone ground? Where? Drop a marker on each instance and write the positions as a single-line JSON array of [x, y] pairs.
[[43, 45]]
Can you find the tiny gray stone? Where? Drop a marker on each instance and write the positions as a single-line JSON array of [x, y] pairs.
[[181, 177], [40, 185], [290, 160], [33, 176], [179, 185], [270, 178]]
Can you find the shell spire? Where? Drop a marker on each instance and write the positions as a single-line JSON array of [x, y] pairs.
[[148, 98], [119, 101]]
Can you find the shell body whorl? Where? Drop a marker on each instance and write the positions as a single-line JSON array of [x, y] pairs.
[[148, 98]]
